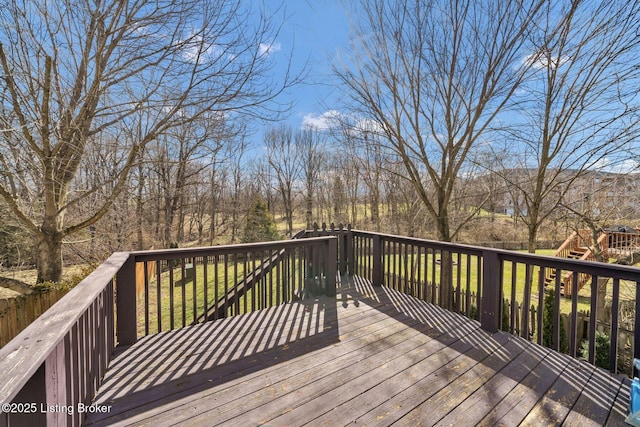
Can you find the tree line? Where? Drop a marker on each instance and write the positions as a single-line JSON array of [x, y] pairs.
[[129, 125]]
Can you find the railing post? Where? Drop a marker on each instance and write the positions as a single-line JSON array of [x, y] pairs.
[[377, 261], [33, 392], [342, 248], [126, 330], [491, 291], [331, 260], [351, 266]]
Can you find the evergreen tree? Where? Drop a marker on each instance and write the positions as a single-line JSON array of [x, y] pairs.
[[259, 226], [547, 332]]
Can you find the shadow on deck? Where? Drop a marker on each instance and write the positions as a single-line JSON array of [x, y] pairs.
[[371, 356]]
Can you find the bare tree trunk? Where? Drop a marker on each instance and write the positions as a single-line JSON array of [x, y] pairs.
[[49, 256], [139, 206]]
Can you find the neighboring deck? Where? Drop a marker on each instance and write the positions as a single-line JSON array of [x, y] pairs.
[[371, 356]]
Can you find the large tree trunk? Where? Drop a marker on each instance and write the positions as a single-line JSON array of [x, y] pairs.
[[309, 211], [49, 256], [446, 260]]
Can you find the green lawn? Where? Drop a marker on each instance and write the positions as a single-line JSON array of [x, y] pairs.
[[181, 301], [465, 272]]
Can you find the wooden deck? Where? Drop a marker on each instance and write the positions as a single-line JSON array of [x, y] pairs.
[[371, 356]]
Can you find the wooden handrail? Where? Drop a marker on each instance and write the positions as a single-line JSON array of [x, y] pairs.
[[564, 248], [247, 283], [39, 358]]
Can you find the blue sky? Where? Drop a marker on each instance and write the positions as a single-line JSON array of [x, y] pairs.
[[314, 31]]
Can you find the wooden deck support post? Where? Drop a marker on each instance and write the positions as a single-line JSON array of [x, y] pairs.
[[342, 248], [377, 260], [351, 263], [126, 330], [491, 292], [331, 260]]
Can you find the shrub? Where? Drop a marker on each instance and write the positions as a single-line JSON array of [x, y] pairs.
[[603, 345], [67, 283], [547, 323]]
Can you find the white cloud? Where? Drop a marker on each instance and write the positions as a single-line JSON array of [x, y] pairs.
[[269, 48], [370, 126], [330, 119], [540, 61], [197, 50]]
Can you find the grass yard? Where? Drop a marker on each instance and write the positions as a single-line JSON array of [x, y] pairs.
[[465, 272], [177, 302]]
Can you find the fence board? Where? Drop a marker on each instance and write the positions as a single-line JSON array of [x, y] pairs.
[[18, 312]]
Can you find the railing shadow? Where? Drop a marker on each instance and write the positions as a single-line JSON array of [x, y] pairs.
[[559, 385], [169, 366]]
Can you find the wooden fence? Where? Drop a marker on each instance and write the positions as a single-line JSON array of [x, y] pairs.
[[18, 312]]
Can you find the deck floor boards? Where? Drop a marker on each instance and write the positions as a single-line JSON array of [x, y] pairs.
[[371, 356]]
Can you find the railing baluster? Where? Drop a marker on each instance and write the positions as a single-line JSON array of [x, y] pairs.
[[615, 315], [458, 260], [299, 268], [556, 312], [526, 301], [159, 293], [248, 258], [183, 280], [433, 276], [540, 318], [468, 302], [226, 285], [514, 273], [636, 323], [205, 285], [479, 284], [426, 274], [194, 287], [271, 290], [573, 347], [419, 273], [236, 279], [593, 320], [172, 308], [146, 298]]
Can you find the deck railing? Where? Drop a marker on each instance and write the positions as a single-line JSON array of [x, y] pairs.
[[61, 358], [490, 285], [51, 371]]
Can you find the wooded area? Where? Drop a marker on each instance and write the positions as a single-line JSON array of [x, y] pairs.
[[527, 133]]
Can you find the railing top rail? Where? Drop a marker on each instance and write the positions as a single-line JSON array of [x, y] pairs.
[[22, 356], [602, 269], [226, 249], [454, 247]]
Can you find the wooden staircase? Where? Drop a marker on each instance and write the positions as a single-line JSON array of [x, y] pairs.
[[613, 245]]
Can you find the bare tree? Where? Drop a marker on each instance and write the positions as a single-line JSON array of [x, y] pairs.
[[73, 70], [310, 144], [284, 159], [345, 187], [368, 156], [433, 76], [178, 159], [579, 103]]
